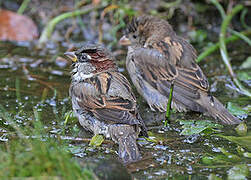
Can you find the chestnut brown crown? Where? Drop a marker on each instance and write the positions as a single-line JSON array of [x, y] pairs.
[[91, 59]]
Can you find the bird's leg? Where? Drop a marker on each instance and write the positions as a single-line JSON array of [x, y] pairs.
[[168, 109]]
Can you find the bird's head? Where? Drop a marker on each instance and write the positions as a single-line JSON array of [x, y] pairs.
[[90, 60], [145, 28]]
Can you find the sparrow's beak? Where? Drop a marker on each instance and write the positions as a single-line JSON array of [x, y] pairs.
[[72, 56], [124, 41]]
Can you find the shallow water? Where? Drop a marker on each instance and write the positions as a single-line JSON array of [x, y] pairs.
[[34, 85]]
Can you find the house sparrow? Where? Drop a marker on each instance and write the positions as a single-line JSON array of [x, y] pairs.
[[103, 101], [158, 57]]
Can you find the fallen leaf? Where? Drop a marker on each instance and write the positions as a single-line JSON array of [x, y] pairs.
[[196, 127], [15, 27], [96, 140]]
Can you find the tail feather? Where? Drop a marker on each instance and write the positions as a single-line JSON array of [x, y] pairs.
[[126, 136], [128, 149], [215, 109]]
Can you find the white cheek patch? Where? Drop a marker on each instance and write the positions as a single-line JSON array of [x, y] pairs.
[[85, 76], [81, 76]]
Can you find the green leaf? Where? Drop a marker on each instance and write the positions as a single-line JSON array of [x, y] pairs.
[[230, 157], [192, 130], [244, 141], [217, 159], [244, 76], [240, 171], [209, 160], [67, 116], [246, 64], [236, 110], [96, 140], [196, 127]]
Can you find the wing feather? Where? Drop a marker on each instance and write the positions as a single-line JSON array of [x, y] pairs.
[[94, 95], [159, 70]]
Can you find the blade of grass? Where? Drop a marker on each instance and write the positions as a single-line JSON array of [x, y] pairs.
[[243, 14], [216, 46], [168, 109], [44, 95], [241, 36], [223, 15], [223, 49], [67, 116], [236, 36], [7, 117], [23, 6], [17, 84], [220, 8]]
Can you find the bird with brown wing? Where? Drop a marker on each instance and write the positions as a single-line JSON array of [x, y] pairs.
[[103, 101], [158, 57]]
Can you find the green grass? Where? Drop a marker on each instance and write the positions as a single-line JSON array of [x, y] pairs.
[[37, 159], [40, 157]]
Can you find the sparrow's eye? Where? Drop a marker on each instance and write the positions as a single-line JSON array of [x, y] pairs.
[[83, 57], [134, 36]]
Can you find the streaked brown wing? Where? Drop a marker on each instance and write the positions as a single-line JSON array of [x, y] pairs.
[[121, 81], [92, 95], [158, 70]]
